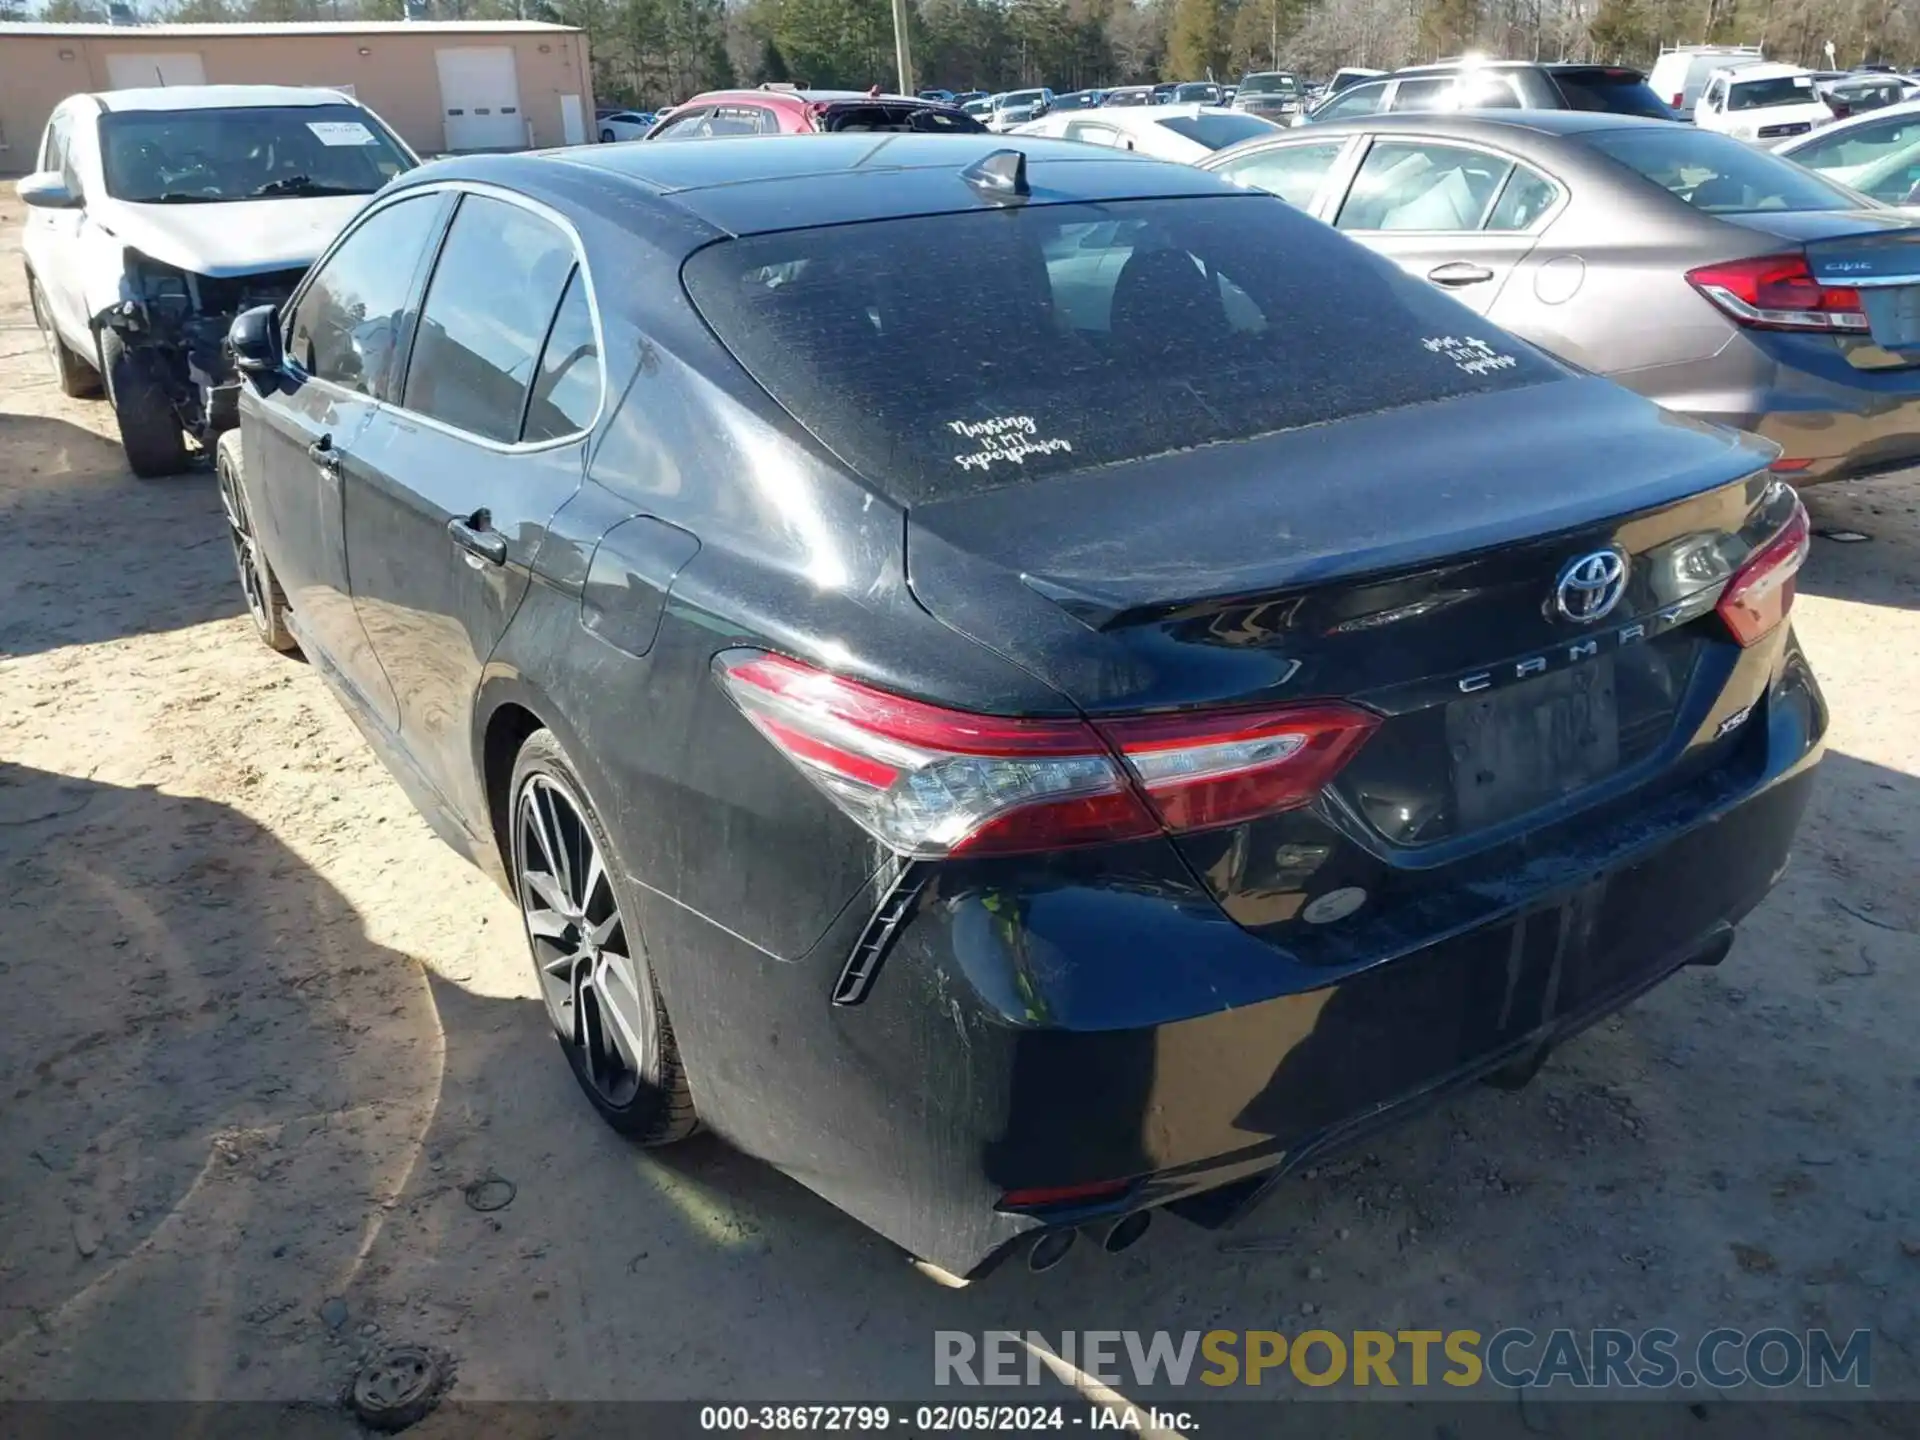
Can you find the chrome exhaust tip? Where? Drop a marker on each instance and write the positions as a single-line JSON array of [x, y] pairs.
[[1050, 1249], [1126, 1231]]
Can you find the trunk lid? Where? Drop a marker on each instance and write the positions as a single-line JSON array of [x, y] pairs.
[[1411, 561], [1876, 253]]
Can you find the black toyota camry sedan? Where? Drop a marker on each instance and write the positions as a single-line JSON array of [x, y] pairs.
[[1027, 687]]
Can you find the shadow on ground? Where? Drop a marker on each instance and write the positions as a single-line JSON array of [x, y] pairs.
[[111, 556], [1884, 569]]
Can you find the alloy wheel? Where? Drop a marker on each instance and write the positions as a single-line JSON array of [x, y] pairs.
[[594, 992], [246, 551]]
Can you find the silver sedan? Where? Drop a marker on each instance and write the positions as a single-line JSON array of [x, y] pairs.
[[1709, 275]]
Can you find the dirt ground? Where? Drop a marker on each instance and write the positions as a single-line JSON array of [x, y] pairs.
[[259, 1033]]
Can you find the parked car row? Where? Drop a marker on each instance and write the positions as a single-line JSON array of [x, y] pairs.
[[1026, 687]]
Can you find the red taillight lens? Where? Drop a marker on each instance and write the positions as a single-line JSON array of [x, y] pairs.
[[1760, 593], [1204, 771], [1778, 292], [927, 781]]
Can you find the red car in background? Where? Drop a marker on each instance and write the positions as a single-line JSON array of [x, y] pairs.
[[787, 110]]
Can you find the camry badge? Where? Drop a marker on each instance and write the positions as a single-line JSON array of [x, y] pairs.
[[1591, 586]]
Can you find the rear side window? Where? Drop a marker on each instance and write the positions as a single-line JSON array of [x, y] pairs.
[[493, 294], [1429, 94], [1617, 92], [1716, 173], [902, 119], [566, 388], [1216, 132], [948, 354]]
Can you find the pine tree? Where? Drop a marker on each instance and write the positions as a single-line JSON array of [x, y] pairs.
[[1196, 40]]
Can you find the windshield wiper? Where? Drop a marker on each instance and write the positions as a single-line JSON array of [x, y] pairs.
[[305, 185], [179, 197]]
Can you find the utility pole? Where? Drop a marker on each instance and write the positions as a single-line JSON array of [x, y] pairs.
[[902, 59]]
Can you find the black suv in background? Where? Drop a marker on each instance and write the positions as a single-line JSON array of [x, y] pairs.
[[1499, 85], [1274, 94]]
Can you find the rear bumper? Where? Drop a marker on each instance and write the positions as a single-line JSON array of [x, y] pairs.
[[1832, 419], [1074, 1028]]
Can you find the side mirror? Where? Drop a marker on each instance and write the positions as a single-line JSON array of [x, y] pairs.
[[46, 191], [254, 338]]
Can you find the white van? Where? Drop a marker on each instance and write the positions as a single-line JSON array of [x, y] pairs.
[[1762, 102], [1680, 74]]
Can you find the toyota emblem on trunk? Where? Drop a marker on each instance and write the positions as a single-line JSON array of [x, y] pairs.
[[1591, 586]]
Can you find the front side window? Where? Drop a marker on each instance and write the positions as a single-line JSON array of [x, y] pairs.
[[1716, 173], [53, 151], [182, 157], [351, 323], [494, 291], [1360, 100], [943, 355], [1431, 94], [1091, 133], [1293, 172], [683, 127], [1422, 185]]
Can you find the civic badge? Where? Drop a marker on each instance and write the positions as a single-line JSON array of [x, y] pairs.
[[1590, 586]]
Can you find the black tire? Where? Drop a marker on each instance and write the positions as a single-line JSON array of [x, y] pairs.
[[150, 432], [73, 375], [644, 1095], [266, 602], [606, 137]]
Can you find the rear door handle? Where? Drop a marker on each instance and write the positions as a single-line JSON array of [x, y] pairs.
[[475, 535], [1459, 272], [322, 453]]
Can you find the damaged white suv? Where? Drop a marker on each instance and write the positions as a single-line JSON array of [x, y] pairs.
[[158, 215]]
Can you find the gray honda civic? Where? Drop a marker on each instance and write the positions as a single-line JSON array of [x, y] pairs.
[[1720, 280]]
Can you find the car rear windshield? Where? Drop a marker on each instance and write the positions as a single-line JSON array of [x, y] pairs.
[[1217, 132], [901, 119], [1617, 92], [1765, 94], [948, 354], [1281, 84], [184, 157], [1718, 174]]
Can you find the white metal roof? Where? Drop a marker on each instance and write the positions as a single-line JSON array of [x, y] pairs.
[[318, 27], [217, 97], [1765, 70]]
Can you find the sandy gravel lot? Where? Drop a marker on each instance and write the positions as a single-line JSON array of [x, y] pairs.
[[259, 1030]]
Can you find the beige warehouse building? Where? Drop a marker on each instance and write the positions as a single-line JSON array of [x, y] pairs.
[[444, 85]]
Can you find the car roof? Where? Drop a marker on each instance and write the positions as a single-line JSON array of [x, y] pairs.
[[756, 184], [797, 97], [1764, 70], [1486, 125], [218, 97]]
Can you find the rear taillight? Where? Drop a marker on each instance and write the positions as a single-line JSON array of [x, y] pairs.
[[1760, 593], [1778, 292], [927, 781], [1679, 101]]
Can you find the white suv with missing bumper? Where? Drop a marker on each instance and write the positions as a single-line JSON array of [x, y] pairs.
[[157, 215]]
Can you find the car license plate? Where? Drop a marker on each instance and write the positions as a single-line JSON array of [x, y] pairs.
[[1893, 314], [1517, 749]]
